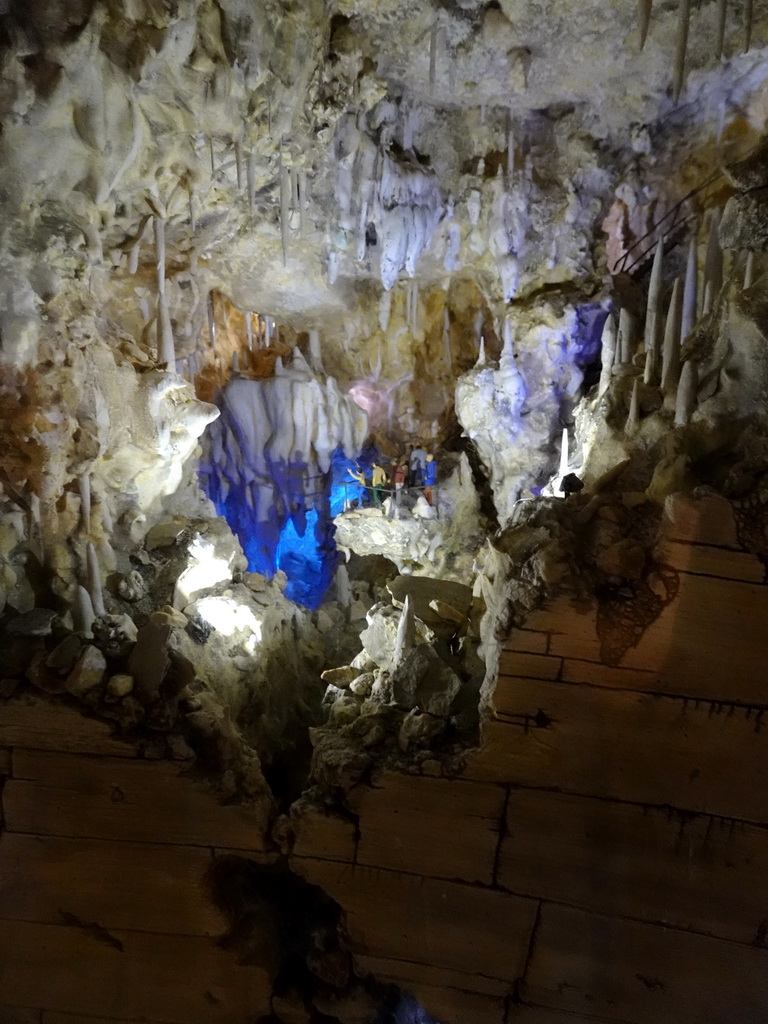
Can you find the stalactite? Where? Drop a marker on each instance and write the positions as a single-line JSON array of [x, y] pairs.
[[626, 337], [713, 267], [749, 271], [607, 354], [267, 331], [644, 16], [84, 486], [684, 17], [653, 314], [315, 351], [249, 329], [284, 208], [563, 470], [510, 147], [748, 15], [93, 572], [633, 419], [192, 221], [211, 321], [211, 157], [690, 290], [303, 206], [250, 174], [159, 228], [235, 364], [239, 165], [722, 10], [670, 366], [686, 393], [166, 346], [481, 358], [433, 58]]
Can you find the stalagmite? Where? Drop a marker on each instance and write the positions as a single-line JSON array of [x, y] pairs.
[[343, 588], [670, 365], [94, 579], [285, 186], [211, 321], [713, 267], [625, 338], [166, 347], [684, 17], [159, 227], [722, 10], [84, 484], [235, 363], [633, 419], [82, 612], [608, 353], [653, 315], [749, 271], [649, 370], [447, 337], [249, 329], [690, 290], [708, 298], [686, 393], [406, 633], [644, 11], [133, 256]]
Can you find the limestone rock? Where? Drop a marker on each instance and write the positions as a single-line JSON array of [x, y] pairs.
[[340, 677], [149, 661], [422, 680], [88, 673], [119, 686], [37, 622], [65, 654]]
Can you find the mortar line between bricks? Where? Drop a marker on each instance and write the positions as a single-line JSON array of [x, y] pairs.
[[502, 836]]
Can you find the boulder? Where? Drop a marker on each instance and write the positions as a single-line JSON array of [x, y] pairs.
[[88, 672], [37, 622], [422, 680], [149, 661]]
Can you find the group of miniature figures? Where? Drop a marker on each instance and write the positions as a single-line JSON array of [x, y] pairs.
[[417, 470]]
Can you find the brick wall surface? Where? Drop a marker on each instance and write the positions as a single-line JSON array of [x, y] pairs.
[[602, 858]]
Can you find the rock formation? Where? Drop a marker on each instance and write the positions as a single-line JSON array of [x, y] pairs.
[[252, 254]]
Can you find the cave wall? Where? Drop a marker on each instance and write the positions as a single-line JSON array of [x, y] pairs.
[[600, 857]]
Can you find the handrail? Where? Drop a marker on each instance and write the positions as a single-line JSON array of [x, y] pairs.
[[621, 267]]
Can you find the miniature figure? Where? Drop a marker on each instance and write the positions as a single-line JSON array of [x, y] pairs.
[[430, 476], [378, 479]]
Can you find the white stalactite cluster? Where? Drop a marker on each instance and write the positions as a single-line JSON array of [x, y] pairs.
[[398, 197]]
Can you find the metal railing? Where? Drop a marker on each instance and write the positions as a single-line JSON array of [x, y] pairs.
[[676, 224], [368, 488]]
